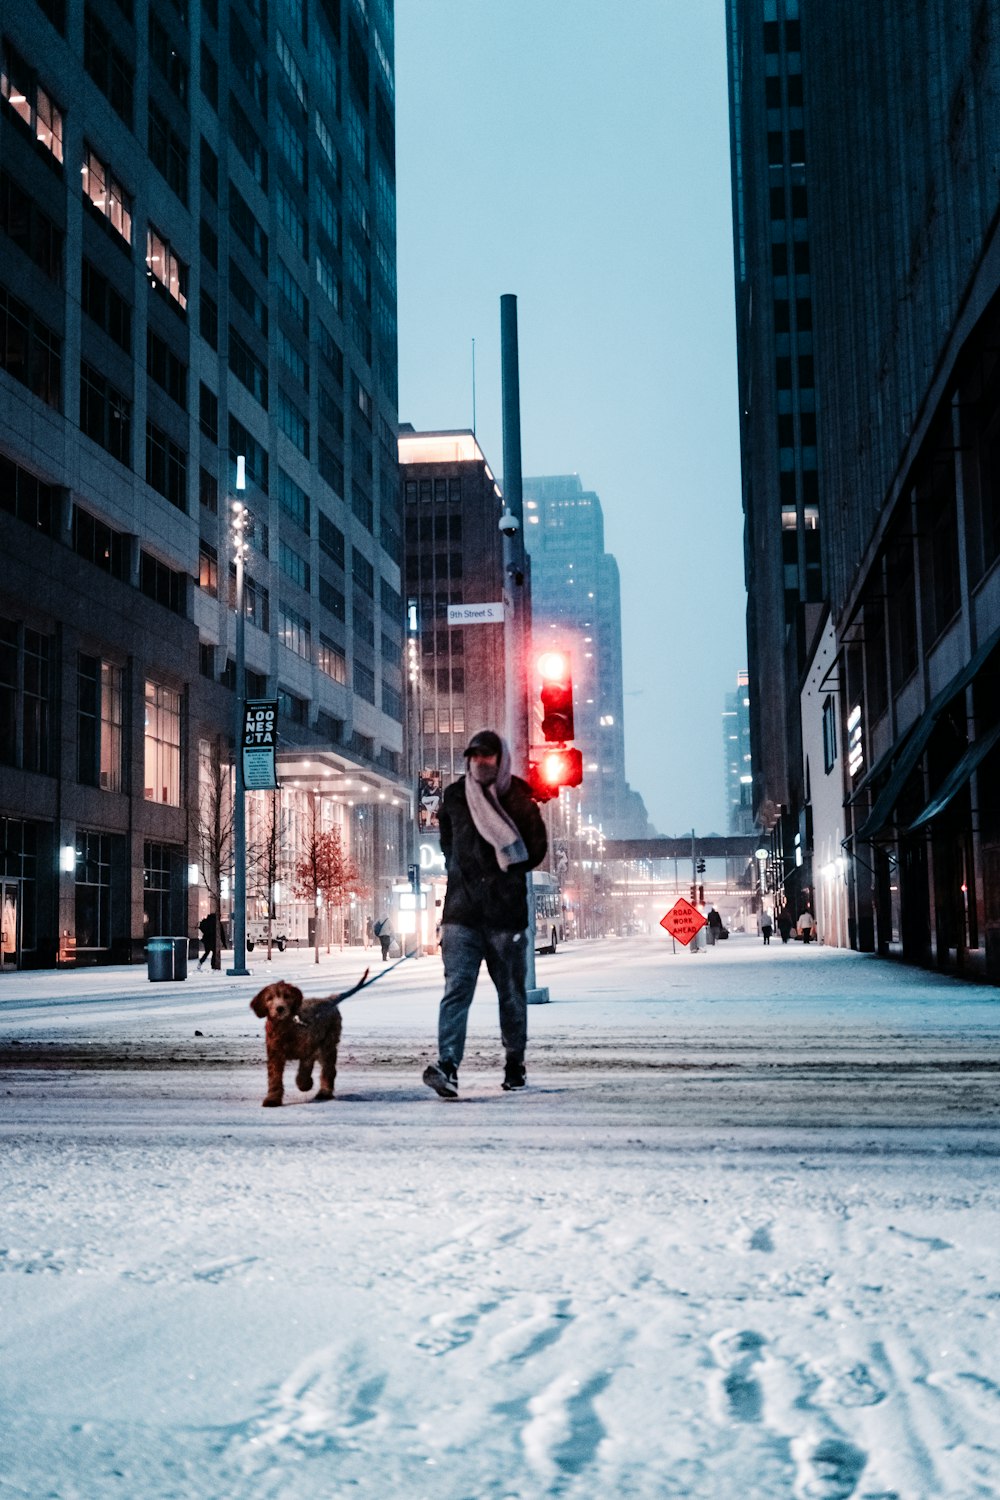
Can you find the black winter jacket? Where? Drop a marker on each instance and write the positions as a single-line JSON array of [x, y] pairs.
[[479, 893]]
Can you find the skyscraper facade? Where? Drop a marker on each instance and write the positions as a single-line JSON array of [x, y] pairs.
[[897, 156], [736, 758], [197, 224], [576, 604]]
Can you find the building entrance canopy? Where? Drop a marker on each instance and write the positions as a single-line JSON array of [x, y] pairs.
[[333, 774]]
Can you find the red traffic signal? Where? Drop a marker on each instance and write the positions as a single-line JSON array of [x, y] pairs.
[[554, 769], [557, 698]]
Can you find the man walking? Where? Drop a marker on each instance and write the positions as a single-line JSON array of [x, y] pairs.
[[492, 834]]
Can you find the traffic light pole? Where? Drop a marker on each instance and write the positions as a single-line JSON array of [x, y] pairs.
[[516, 622]]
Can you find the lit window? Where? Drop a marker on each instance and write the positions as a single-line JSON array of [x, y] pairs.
[[163, 745], [107, 195], [164, 268], [31, 102]]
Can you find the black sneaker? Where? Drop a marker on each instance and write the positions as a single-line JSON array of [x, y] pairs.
[[443, 1079], [514, 1074]]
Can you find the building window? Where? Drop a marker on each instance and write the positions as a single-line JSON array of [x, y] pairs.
[[100, 739], [292, 71], [292, 423], [255, 454], [364, 682], [28, 690], [331, 539], [209, 77], [247, 229], [328, 214], [168, 60], [293, 500], [363, 573], [292, 708], [392, 703], [248, 143], [166, 466], [295, 566], [248, 63], [293, 220], [293, 296], [829, 733], [294, 363], [294, 631], [331, 598], [247, 368], [30, 351], [331, 659], [163, 584], [163, 745], [331, 468], [108, 66], [208, 412], [208, 491], [108, 309], [165, 269], [292, 146], [158, 861], [208, 567], [105, 414], [103, 190], [164, 366], [31, 230], [93, 889], [26, 98], [328, 281], [168, 152]]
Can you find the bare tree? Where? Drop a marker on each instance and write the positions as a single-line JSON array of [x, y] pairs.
[[325, 869], [267, 858], [215, 827]]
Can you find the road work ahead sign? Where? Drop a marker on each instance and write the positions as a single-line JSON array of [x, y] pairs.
[[260, 738], [683, 921]]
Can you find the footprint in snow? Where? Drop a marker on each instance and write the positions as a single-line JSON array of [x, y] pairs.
[[736, 1389], [564, 1432], [828, 1469], [529, 1336], [450, 1331], [761, 1239], [848, 1385]]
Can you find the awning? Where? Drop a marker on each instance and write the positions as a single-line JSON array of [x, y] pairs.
[[915, 740], [889, 795], [956, 778]]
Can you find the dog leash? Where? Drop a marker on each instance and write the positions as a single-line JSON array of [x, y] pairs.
[[379, 974]]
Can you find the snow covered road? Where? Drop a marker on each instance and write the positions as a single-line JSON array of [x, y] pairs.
[[738, 1239]]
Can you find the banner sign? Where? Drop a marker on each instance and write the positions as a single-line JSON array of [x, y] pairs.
[[476, 614], [428, 799], [260, 738]]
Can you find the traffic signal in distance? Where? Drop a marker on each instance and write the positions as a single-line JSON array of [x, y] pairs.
[[557, 698], [694, 894], [701, 895], [554, 769], [701, 867]]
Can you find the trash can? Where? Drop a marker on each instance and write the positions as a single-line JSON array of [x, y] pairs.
[[167, 957]]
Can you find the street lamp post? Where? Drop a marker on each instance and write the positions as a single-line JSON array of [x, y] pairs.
[[240, 525], [516, 621]]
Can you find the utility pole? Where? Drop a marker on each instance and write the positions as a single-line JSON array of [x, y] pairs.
[[517, 625], [694, 887], [240, 522]]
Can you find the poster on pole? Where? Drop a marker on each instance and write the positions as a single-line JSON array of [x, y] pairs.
[[260, 739], [428, 799]]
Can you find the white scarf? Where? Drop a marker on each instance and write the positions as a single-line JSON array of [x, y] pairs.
[[495, 825]]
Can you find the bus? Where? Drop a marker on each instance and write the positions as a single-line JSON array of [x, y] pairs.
[[550, 930]]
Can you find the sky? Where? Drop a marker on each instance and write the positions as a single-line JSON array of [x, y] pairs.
[[577, 154]]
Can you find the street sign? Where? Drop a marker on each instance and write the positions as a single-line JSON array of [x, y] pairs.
[[683, 921], [476, 614], [260, 736]]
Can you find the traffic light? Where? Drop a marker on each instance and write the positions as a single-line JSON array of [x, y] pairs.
[[701, 867], [555, 769], [701, 895], [694, 894], [557, 698]]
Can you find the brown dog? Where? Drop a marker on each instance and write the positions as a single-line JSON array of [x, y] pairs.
[[303, 1029]]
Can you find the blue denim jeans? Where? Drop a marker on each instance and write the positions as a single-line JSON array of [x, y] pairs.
[[463, 950]]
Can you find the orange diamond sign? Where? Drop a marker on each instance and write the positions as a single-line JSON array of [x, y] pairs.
[[683, 921]]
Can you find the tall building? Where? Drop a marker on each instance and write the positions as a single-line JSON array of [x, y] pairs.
[[777, 394], [454, 596], [197, 225], [900, 680], [737, 759], [576, 603]]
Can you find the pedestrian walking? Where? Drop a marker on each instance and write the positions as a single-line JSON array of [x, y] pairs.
[[714, 925], [369, 932], [806, 925], [785, 925], [765, 928], [208, 927], [492, 834], [383, 931]]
